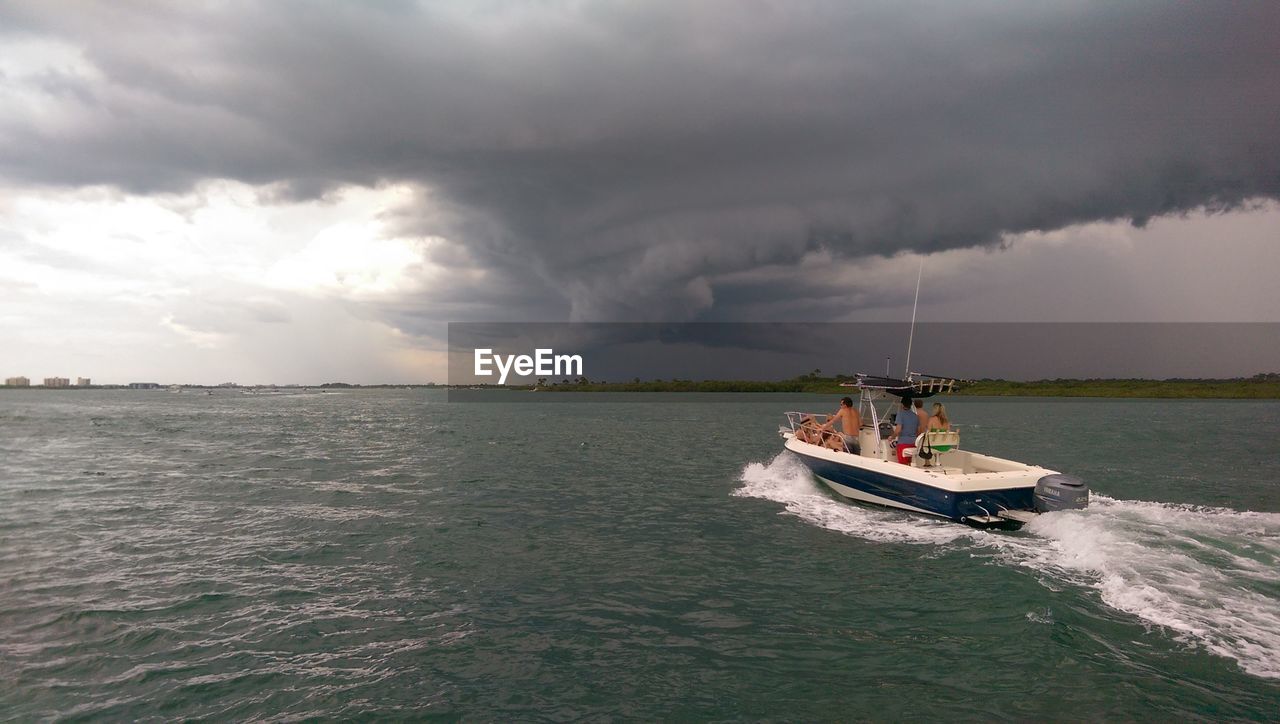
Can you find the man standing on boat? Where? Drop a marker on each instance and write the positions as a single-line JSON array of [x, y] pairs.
[[850, 422], [910, 423]]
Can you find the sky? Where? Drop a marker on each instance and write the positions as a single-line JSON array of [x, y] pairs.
[[294, 192]]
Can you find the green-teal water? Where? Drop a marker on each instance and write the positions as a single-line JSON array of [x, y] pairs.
[[387, 554]]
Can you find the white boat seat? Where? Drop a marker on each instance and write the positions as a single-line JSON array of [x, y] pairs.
[[940, 440]]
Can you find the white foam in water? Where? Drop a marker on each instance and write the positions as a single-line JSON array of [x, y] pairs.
[[1209, 575], [786, 480]]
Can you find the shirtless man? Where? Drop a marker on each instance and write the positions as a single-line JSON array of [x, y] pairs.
[[850, 422]]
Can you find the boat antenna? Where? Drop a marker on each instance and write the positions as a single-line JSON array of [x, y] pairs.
[[914, 305]]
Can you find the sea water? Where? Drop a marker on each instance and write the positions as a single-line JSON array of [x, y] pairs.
[[386, 553]]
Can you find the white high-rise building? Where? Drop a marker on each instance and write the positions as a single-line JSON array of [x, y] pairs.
[[57, 382], [17, 382], [82, 382]]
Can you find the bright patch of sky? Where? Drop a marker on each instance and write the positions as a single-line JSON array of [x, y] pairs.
[[220, 284]]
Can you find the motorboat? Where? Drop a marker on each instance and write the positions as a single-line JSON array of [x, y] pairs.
[[942, 479]]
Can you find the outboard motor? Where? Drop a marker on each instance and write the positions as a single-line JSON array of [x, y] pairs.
[[1060, 492]]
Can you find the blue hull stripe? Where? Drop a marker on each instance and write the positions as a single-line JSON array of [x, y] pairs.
[[907, 492]]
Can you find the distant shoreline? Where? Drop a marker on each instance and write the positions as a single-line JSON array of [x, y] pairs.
[[1260, 387]]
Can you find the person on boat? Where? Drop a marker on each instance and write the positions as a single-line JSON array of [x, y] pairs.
[[910, 423], [939, 420], [808, 431], [850, 422]]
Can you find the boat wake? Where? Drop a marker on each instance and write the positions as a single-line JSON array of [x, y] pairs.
[[1210, 576], [786, 480]]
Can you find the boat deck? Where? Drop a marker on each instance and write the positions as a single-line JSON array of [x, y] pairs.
[[955, 470]]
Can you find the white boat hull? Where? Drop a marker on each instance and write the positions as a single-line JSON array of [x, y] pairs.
[[945, 490]]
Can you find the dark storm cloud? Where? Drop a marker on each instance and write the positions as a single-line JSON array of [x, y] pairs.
[[621, 157]]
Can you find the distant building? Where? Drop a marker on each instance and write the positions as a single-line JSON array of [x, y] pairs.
[[144, 385], [17, 382], [229, 384], [57, 382], [82, 382]]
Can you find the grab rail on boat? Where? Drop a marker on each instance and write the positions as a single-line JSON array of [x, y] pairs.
[[796, 420]]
